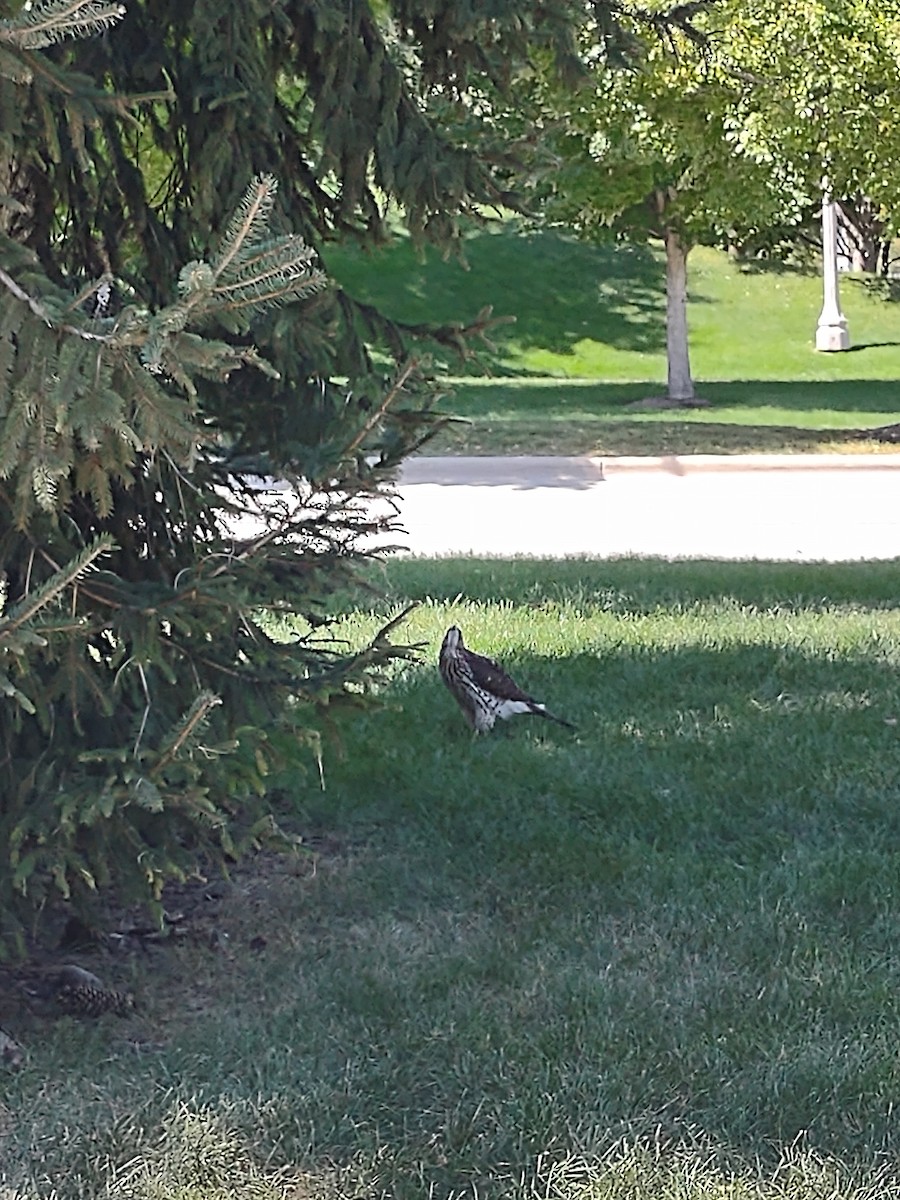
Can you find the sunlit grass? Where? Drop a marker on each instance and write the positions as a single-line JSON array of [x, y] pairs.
[[589, 339]]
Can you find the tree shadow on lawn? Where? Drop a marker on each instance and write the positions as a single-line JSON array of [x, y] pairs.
[[834, 395], [472, 396], [677, 925], [734, 752], [570, 291], [747, 744], [558, 290], [708, 793]]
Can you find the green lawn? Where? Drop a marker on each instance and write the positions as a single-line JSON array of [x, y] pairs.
[[654, 959], [589, 339]]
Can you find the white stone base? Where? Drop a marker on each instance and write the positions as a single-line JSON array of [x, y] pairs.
[[833, 337]]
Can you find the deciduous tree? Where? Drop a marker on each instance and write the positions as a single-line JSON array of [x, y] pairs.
[[650, 152], [820, 81]]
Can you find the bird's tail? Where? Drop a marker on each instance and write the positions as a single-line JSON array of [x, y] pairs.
[[540, 711]]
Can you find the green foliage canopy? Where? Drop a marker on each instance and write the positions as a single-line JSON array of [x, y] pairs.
[[730, 126], [819, 82], [650, 148]]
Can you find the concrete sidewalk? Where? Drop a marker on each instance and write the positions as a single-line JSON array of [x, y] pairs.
[[532, 470], [786, 507]]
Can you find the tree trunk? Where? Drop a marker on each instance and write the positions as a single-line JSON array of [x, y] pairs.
[[681, 383], [860, 232]]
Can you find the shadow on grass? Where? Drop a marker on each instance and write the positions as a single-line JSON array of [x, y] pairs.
[[775, 266], [886, 288], [677, 925], [844, 395], [473, 397], [559, 290], [679, 755], [696, 887], [598, 436], [565, 291]]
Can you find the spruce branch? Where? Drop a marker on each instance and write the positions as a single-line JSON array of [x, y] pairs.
[[65, 577], [187, 729], [249, 224], [41, 313], [11, 692], [390, 396], [251, 270], [15, 71], [381, 640], [55, 20], [20, 294], [279, 272]]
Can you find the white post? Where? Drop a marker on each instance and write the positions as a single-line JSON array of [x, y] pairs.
[[831, 331]]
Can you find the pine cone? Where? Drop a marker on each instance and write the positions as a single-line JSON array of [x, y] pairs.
[[80, 993], [79, 1000]]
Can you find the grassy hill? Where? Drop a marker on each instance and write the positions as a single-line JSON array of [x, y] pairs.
[[587, 339]]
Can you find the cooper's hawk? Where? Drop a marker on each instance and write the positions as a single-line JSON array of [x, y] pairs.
[[481, 687]]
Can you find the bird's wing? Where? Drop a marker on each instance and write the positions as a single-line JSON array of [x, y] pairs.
[[490, 676]]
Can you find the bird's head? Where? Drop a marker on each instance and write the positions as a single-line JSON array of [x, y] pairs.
[[452, 640]]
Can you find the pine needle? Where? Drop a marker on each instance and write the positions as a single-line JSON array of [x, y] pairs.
[[46, 24]]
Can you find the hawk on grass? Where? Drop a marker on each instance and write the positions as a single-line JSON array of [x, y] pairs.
[[481, 687]]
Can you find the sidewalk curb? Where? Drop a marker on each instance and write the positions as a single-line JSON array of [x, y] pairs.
[[586, 470], [684, 464]]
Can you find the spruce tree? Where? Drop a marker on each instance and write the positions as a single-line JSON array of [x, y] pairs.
[[171, 177]]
